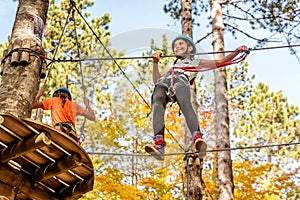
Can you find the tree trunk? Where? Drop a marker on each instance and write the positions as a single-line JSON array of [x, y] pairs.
[[22, 66], [224, 163], [193, 164]]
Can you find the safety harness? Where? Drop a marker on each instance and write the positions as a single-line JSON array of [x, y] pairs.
[[67, 128], [173, 70]]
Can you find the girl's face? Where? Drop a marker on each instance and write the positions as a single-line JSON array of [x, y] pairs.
[[182, 47]]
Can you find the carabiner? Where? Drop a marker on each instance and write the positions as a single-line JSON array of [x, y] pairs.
[[171, 92]]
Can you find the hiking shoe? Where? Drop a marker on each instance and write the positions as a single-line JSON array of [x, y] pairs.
[[198, 141], [200, 145], [202, 151], [157, 151]]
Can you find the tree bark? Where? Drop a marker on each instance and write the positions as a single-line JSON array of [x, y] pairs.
[[224, 163], [193, 164], [22, 66]]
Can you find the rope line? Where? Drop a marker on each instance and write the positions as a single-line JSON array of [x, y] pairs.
[[110, 55], [144, 57], [208, 151], [167, 56], [53, 58], [115, 61], [56, 49], [72, 3], [81, 135]]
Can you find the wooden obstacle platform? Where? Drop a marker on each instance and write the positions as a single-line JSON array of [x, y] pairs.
[[40, 162]]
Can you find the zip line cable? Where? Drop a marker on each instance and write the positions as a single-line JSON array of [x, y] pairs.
[[208, 151]]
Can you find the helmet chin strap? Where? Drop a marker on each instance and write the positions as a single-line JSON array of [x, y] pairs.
[[177, 58]]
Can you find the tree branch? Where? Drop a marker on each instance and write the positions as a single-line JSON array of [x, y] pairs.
[[246, 34], [203, 38]]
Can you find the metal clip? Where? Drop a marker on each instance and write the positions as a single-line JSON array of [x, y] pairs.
[[171, 92]]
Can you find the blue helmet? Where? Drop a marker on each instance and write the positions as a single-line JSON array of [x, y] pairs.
[[63, 89], [188, 40]]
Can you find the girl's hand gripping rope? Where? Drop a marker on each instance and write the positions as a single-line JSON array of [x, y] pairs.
[[156, 57], [244, 49]]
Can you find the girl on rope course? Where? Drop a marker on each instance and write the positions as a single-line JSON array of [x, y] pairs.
[[174, 86], [64, 111]]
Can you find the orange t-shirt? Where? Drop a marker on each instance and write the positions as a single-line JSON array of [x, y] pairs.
[[67, 113]]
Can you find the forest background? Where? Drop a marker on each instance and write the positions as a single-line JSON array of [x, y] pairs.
[[260, 114]]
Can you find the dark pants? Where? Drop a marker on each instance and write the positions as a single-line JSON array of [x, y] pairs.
[[183, 98]]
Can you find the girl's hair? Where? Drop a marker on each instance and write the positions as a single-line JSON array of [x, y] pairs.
[[62, 95]]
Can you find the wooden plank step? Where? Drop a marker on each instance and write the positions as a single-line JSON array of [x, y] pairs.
[[51, 162]]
